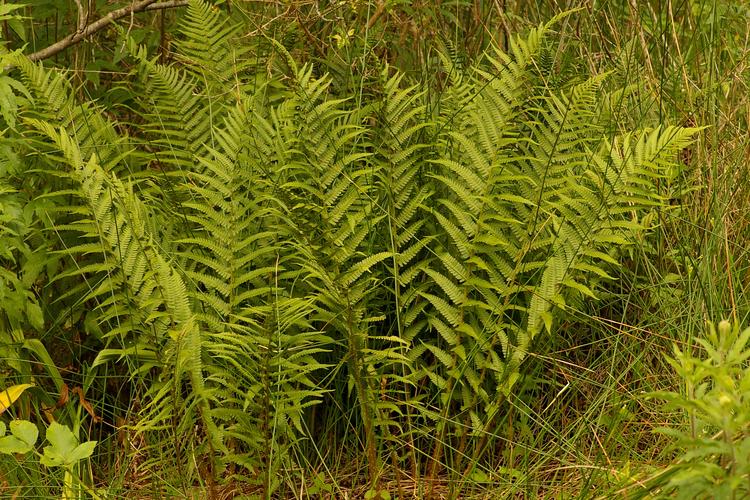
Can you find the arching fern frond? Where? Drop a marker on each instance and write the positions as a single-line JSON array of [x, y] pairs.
[[118, 220], [53, 102], [209, 46]]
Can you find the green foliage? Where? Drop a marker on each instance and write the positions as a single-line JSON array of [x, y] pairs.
[[13, 20], [245, 242], [22, 438], [63, 450], [714, 460]]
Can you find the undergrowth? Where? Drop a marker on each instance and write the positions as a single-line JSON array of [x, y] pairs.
[[348, 267]]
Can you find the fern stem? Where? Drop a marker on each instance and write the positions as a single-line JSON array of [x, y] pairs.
[[356, 368]]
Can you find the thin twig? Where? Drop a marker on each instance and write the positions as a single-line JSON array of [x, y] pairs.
[[376, 15], [102, 23], [82, 16]]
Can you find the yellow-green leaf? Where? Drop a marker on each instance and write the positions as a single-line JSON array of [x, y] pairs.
[[11, 394]]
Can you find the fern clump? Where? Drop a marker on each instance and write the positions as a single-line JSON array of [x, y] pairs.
[[251, 254]]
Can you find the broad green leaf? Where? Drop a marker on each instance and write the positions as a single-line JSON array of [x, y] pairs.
[[64, 449], [25, 431], [11, 444], [22, 439], [83, 450]]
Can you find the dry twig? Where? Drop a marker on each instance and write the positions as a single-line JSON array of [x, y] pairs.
[[86, 30]]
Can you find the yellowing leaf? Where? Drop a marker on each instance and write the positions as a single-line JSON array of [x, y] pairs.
[[11, 394]]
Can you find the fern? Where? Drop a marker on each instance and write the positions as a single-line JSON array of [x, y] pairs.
[[53, 102], [252, 252], [521, 224]]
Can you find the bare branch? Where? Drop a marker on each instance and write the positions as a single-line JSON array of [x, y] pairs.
[[167, 5], [82, 16], [89, 29], [376, 15]]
